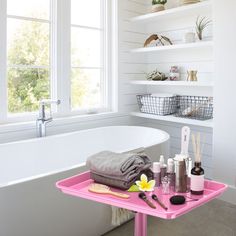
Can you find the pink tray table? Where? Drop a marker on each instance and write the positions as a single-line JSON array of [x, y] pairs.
[[78, 186]]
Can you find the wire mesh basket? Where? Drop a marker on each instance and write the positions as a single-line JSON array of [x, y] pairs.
[[153, 104], [195, 107]]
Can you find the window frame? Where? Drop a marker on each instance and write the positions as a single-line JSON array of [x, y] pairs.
[[60, 63]]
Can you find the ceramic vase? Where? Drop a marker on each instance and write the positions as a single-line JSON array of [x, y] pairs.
[[192, 75]]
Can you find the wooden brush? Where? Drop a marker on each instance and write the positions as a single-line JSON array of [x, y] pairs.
[[103, 189]]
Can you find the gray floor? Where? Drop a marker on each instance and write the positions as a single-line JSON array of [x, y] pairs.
[[216, 218]]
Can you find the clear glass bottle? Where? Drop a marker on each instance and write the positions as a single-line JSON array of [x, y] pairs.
[[165, 182]]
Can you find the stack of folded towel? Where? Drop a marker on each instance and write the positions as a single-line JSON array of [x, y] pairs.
[[119, 170]]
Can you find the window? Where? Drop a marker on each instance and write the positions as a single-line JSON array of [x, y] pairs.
[[28, 54], [87, 54], [54, 49]]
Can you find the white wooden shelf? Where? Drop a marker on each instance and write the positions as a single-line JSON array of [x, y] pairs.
[[173, 83], [177, 12], [171, 118], [197, 45]]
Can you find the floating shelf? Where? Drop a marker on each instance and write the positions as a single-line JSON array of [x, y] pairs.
[[171, 118], [173, 83], [177, 12], [197, 45]]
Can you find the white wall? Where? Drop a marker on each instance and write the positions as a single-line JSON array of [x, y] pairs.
[[131, 67], [224, 92]]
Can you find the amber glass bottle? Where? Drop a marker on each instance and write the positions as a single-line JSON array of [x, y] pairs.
[[197, 179]]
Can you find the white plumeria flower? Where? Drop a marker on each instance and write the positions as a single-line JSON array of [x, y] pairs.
[[144, 185]]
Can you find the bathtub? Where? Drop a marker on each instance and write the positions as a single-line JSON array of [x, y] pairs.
[[30, 205]]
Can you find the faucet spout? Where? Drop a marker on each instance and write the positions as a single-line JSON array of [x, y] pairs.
[[42, 120]]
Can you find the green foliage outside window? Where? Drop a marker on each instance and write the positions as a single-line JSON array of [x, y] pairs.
[[28, 82], [26, 86]]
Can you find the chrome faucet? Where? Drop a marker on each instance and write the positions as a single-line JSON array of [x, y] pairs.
[[42, 120]]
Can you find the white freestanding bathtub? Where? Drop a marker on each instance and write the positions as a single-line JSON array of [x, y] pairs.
[[30, 205]]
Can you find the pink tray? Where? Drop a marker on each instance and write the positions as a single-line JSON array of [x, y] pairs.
[[78, 186]]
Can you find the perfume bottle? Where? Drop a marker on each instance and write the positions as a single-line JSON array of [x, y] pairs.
[[197, 179], [165, 182]]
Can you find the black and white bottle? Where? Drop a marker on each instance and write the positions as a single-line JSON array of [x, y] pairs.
[[197, 179]]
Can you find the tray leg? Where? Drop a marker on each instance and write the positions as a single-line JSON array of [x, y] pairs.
[[140, 224]]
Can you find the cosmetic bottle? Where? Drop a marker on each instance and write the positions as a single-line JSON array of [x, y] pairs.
[[197, 179], [180, 174], [156, 169], [171, 173], [189, 167], [163, 166], [165, 183]]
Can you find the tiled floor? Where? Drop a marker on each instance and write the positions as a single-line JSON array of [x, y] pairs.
[[216, 218]]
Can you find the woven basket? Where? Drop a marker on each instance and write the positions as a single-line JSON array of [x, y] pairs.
[[195, 107], [161, 106]]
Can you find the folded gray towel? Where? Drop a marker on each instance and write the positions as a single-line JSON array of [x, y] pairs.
[[120, 166], [120, 183]]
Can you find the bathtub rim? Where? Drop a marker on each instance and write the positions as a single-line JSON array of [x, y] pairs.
[[166, 138], [83, 164]]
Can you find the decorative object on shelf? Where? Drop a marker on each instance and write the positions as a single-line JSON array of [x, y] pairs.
[[201, 24], [174, 73], [189, 37], [195, 107], [158, 5], [156, 75], [186, 2], [192, 75], [163, 40]]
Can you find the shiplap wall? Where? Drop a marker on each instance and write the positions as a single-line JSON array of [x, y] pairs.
[[131, 67], [191, 59]]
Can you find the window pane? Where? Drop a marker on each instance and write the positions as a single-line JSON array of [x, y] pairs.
[[86, 88], [29, 8], [86, 13], [26, 87], [28, 42], [85, 47]]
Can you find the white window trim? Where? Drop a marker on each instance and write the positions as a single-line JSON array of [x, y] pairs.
[[3, 61], [61, 67]]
